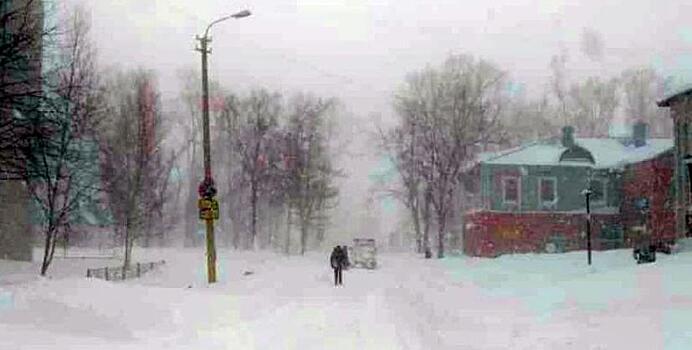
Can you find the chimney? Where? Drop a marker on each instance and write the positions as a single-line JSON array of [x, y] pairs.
[[639, 131], [568, 136]]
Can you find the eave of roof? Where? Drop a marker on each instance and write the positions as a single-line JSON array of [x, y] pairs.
[[667, 100]]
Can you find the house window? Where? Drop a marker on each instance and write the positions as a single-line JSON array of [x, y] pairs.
[[510, 190], [598, 192], [547, 188]]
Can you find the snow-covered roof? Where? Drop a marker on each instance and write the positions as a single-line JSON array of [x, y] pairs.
[[674, 94], [607, 153], [482, 157]]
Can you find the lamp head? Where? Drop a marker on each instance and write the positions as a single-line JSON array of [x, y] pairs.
[[241, 14]]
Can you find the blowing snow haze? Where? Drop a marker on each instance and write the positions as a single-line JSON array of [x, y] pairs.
[[509, 174], [361, 50]]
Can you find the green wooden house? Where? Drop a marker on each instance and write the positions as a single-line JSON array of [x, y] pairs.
[[550, 175], [533, 195]]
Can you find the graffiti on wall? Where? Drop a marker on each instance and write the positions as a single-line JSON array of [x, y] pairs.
[[508, 232]]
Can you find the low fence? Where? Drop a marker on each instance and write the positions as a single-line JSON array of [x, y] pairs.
[[119, 273]]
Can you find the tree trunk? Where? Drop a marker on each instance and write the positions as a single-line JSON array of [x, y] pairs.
[[303, 235], [253, 203], [273, 227], [236, 221], [288, 231], [236, 236], [426, 229], [275, 235], [131, 245], [321, 230], [130, 228], [126, 262], [66, 241], [415, 214], [147, 238], [190, 238], [414, 198], [50, 237], [441, 235], [52, 248]]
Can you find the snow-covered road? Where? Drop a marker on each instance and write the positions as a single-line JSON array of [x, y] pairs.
[[514, 302]]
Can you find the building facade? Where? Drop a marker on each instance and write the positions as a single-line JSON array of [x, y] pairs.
[[533, 196], [21, 27], [680, 104]]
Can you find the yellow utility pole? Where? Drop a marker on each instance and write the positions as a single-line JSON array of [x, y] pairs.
[[208, 206]]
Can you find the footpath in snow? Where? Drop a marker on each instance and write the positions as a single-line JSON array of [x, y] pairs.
[[512, 302]]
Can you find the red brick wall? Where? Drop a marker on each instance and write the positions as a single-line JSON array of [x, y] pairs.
[[494, 233], [489, 233], [651, 179]]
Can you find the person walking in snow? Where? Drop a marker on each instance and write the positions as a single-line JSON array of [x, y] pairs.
[[337, 262]]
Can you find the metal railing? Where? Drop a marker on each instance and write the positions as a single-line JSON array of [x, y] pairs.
[[120, 273]]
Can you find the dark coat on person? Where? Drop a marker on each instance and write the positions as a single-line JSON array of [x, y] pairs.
[[335, 259]]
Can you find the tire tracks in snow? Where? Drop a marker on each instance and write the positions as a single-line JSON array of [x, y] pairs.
[[417, 321], [431, 311]]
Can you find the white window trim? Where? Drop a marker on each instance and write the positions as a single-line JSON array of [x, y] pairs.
[[541, 202], [605, 192], [504, 190]]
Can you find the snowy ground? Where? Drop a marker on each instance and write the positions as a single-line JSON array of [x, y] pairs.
[[512, 302]]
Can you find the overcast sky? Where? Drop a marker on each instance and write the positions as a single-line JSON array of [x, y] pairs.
[[360, 50]]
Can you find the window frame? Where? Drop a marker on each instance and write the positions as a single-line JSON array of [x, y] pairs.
[[543, 203], [604, 188], [504, 190]]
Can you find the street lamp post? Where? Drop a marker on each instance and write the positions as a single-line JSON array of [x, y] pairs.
[[207, 190], [587, 193]]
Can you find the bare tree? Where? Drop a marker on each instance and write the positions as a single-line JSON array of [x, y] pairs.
[[641, 88], [191, 98], [232, 183], [558, 81], [260, 113], [311, 175], [273, 198], [456, 107], [177, 143], [400, 145], [135, 168], [527, 120], [23, 34], [62, 162], [592, 44], [277, 162], [593, 104], [191, 103]]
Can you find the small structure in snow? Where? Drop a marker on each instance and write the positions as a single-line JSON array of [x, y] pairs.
[[364, 253]]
